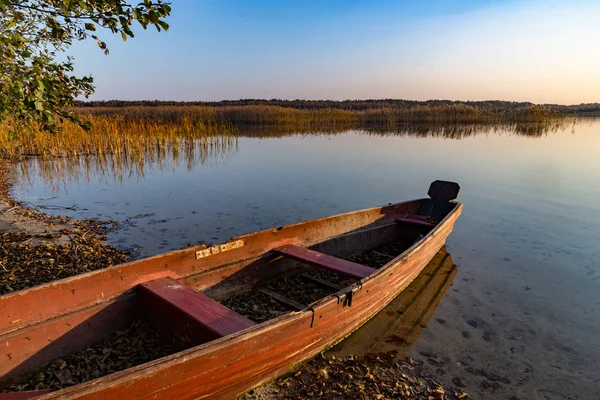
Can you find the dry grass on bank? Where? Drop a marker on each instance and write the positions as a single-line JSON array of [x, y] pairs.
[[277, 115], [114, 134]]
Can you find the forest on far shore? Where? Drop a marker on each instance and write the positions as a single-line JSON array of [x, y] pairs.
[[357, 105]]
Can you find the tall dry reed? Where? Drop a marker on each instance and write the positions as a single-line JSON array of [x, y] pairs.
[[266, 115], [191, 153], [114, 134]]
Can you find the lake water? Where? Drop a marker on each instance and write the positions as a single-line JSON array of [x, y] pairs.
[[522, 318]]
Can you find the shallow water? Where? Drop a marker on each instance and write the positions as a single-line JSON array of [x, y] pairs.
[[527, 245]]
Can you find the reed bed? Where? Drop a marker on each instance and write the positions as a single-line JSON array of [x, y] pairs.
[[234, 115], [456, 113], [191, 153], [267, 115], [124, 139], [135, 130], [131, 138]]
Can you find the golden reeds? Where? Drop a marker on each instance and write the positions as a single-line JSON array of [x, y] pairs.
[[117, 134], [123, 139], [117, 146], [135, 130], [116, 166], [259, 115], [323, 117]]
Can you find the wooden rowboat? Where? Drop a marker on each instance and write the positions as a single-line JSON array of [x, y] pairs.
[[220, 352]]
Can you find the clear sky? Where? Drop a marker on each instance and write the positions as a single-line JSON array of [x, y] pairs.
[[544, 51]]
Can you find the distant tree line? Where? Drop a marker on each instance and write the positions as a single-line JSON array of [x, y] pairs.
[[356, 105], [311, 104], [584, 109]]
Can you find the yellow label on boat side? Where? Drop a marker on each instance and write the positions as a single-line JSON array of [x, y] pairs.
[[219, 248]]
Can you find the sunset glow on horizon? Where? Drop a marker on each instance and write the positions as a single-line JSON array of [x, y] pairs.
[[539, 51]]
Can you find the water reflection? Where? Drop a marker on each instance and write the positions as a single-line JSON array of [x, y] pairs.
[[402, 321], [424, 130], [191, 153], [60, 172], [527, 242]]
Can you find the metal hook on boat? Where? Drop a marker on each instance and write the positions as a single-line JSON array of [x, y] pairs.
[[349, 296]]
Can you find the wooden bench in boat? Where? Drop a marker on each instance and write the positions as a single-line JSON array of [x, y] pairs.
[[186, 317], [321, 260], [414, 220]]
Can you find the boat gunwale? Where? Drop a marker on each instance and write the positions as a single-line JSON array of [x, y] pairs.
[[196, 248], [276, 323], [169, 272]]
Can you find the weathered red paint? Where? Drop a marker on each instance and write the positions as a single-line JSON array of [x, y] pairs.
[[317, 259], [24, 350], [229, 366], [186, 317], [27, 307]]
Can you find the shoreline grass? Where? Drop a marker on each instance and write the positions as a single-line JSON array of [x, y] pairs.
[[241, 115], [210, 151], [134, 132], [117, 135]]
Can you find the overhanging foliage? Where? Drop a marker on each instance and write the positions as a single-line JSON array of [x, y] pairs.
[[36, 89]]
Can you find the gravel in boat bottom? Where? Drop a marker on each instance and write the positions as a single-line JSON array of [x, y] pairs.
[[124, 349], [256, 306], [374, 376], [381, 255], [259, 307]]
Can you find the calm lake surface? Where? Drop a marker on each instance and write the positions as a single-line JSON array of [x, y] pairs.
[[522, 317]]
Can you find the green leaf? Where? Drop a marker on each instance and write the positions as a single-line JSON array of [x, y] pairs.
[[83, 4], [164, 25], [47, 85], [124, 36], [47, 117]]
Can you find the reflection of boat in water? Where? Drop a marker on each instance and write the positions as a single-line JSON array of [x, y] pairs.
[[402, 321]]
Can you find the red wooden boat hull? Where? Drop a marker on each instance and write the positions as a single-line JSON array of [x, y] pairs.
[[225, 367]]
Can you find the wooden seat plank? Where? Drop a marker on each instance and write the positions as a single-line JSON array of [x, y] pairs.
[[416, 221], [325, 261], [186, 317]]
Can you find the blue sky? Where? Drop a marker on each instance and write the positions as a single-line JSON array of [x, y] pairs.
[[536, 50]]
